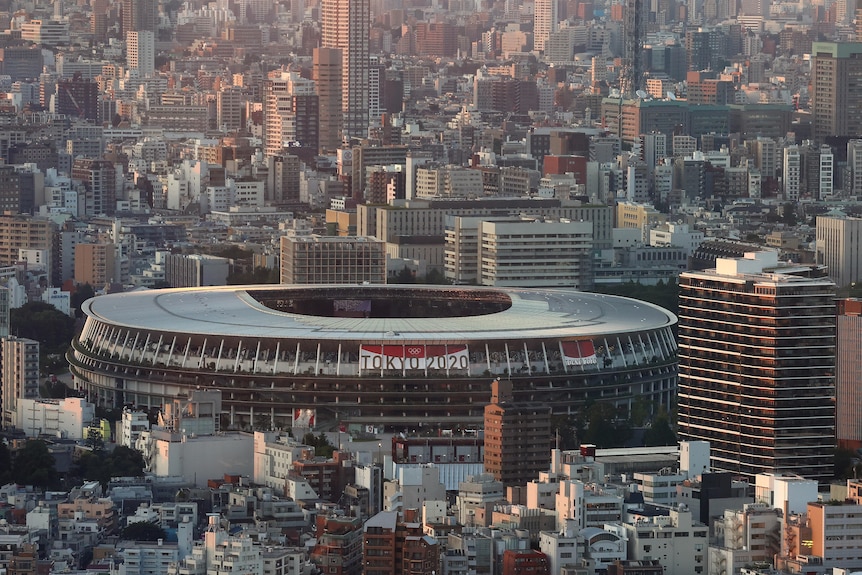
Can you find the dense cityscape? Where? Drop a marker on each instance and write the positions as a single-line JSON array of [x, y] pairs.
[[430, 287]]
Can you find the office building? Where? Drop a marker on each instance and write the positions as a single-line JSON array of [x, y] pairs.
[[837, 247], [522, 252], [196, 270], [836, 89], [517, 436], [756, 368], [346, 25], [20, 376], [332, 260]]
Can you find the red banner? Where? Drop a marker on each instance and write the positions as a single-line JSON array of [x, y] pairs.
[[578, 352]]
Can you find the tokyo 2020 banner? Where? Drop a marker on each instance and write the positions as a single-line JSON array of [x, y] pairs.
[[415, 356], [578, 352]]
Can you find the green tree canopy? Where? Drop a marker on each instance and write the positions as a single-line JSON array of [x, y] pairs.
[[44, 323], [34, 465], [660, 433], [259, 275], [81, 294], [320, 443], [602, 425], [5, 464], [101, 466]]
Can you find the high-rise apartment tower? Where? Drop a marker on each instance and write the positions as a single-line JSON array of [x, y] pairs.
[[346, 25], [757, 365]]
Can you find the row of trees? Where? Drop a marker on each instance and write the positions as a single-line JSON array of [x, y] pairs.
[[606, 426], [33, 464]]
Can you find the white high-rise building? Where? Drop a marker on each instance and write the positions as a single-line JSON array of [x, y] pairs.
[[20, 376], [827, 172], [545, 22], [837, 247], [141, 52], [792, 173], [854, 162]]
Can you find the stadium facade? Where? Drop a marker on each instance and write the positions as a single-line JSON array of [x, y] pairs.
[[399, 356]]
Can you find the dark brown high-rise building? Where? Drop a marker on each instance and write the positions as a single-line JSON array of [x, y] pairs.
[[327, 64], [848, 375], [836, 89], [757, 366], [139, 15], [517, 436]]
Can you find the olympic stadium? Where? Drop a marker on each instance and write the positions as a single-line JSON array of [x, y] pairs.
[[382, 355]]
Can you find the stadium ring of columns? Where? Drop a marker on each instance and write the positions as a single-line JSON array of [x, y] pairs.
[[382, 355]]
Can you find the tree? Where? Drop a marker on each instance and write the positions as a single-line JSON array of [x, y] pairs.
[[5, 464], [233, 252], [34, 465], [847, 464], [436, 277], [94, 440], [44, 323], [564, 429], [101, 466], [320, 443], [601, 425], [660, 433], [81, 294], [405, 276], [143, 531], [260, 275]]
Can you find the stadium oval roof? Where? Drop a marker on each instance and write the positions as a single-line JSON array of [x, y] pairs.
[[235, 311]]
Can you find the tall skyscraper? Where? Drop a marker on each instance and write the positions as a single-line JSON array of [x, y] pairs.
[[545, 22], [327, 78], [632, 75], [836, 89], [346, 25], [140, 15], [848, 366], [757, 365]]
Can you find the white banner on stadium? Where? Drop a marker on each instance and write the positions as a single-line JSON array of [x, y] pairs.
[[417, 356]]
